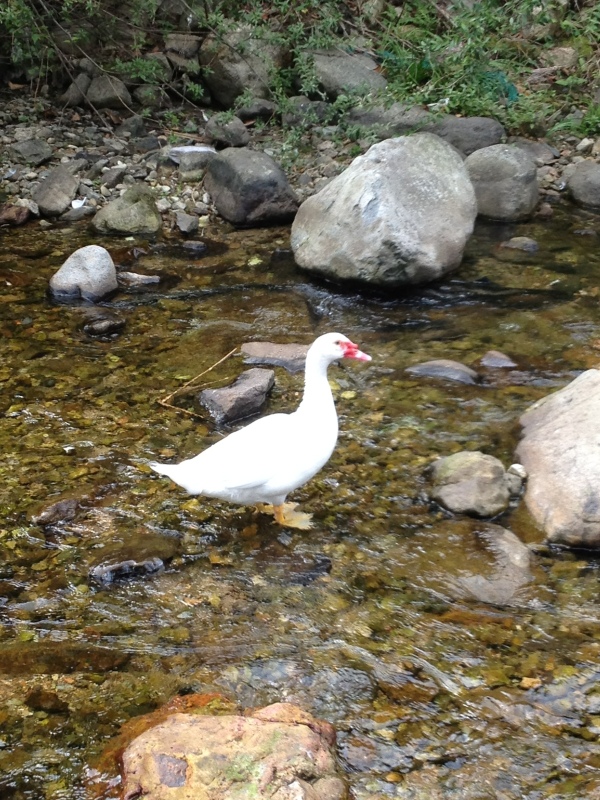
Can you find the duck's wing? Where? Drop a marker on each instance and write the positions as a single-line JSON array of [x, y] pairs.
[[246, 458]]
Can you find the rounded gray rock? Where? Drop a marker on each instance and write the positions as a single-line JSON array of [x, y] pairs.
[[399, 215], [88, 273], [584, 184], [505, 181]]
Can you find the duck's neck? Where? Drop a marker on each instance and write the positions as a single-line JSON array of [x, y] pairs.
[[317, 397]]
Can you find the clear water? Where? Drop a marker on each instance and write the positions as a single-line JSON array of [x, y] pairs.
[[356, 620]]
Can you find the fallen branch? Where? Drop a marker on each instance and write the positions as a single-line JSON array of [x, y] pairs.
[[189, 387]]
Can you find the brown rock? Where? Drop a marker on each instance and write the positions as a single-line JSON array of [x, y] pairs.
[[277, 752], [14, 215], [40, 699]]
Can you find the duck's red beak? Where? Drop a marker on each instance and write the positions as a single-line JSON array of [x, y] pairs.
[[351, 351]]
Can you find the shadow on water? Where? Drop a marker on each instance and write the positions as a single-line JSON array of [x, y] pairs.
[[432, 693]]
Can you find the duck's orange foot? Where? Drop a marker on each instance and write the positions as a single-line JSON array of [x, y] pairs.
[[287, 516]]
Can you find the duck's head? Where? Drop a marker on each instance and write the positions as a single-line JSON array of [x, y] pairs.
[[335, 345]]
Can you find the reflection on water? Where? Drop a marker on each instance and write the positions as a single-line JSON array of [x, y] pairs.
[[357, 620]]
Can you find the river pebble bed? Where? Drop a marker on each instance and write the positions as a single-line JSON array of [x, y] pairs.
[[131, 592]]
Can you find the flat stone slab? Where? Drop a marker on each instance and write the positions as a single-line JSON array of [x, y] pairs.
[[446, 369], [289, 356], [243, 398]]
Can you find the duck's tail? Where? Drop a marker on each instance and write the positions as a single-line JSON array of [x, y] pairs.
[[162, 469]]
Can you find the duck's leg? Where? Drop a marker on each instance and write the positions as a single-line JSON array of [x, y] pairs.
[[286, 515]]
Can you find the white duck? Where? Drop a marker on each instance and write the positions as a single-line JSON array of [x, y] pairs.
[[268, 459]]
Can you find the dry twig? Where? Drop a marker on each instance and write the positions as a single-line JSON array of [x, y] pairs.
[[189, 386]]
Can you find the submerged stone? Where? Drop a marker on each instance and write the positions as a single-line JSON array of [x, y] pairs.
[[47, 657], [289, 356], [279, 751], [243, 398], [445, 368]]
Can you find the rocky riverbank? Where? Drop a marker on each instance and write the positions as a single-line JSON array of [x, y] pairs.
[[67, 164]]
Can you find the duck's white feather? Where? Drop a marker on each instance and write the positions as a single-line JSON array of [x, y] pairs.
[[274, 455]]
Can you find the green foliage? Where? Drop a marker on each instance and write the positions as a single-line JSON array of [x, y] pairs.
[[459, 57], [145, 70], [475, 61]]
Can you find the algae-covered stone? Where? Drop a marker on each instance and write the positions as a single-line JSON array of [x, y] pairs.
[[471, 483], [133, 213]]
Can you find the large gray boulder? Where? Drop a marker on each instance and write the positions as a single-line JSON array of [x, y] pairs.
[[399, 215], [505, 181], [249, 188], [135, 212], [338, 71], [238, 62], [584, 184], [88, 273], [560, 450], [55, 192]]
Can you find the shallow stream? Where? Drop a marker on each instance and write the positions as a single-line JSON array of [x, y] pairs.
[[433, 694]]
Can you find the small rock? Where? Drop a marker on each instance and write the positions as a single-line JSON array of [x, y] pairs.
[[445, 368], [197, 755], [146, 144], [187, 223], [32, 151], [40, 699], [135, 212], [48, 657], [291, 357], [113, 176], [230, 133], [584, 184], [55, 193], [511, 569], [62, 511], [524, 243], [109, 573], [471, 482], [104, 325], [134, 126], [243, 398], [585, 146], [75, 94], [195, 247], [107, 91], [135, 279], [258, 108], [249, 188], [186, 44], [13, 215], [497, 360]]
